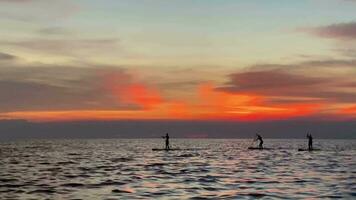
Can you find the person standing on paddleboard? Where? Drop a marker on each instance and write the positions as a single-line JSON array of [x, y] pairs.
[[310, 142], [258, 137], [167, 141]]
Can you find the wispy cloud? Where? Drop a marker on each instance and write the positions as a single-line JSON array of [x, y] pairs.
[[33, 11], [342, 31], [6, 57], [16, 1], [53, 31], [54, 87], [321, 81], [66, 46]]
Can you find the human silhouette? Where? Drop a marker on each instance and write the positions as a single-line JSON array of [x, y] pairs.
[[258, 137], [310, 142], [167, 141]]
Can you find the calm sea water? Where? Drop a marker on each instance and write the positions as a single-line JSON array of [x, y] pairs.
[[209, 169]]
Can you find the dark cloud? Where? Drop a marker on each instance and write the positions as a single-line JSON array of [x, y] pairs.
[[348, 52], [309, 64], [5, 56], [324, 81], [329, 63], [16, 95], [344, 31], [274, 83], [48, 87], [270, 80]]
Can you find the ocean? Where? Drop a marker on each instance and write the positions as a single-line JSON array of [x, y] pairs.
[[206, 169]]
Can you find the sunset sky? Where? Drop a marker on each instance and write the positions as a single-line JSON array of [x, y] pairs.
[[229, 60]]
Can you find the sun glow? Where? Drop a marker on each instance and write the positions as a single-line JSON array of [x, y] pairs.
[[211, 105]]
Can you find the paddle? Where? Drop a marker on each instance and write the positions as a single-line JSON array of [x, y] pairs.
[[169, 146], [252, 142]]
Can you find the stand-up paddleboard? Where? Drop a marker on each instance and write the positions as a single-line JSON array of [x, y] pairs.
[[177, 149], [309, 150], [154, 149], [257, 148]]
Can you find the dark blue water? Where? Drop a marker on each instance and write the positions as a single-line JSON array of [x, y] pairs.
[[210, 169]]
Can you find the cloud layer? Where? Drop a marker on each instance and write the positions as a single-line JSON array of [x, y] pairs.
[[323, 81], [6, 57], [65, 46], [52, 87], [313, 88], [342, 31]]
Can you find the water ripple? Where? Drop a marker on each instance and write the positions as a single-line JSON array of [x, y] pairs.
[[204, 169]]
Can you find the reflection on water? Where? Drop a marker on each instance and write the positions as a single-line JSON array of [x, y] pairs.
[[209, 169]]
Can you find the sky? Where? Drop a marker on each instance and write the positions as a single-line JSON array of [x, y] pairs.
[[233, 61]]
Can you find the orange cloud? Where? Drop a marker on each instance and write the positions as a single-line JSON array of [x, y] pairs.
[[223, 102], [127, 90], [80, 115], [179, 110], [141, 95], [244, 106], [349, 111], [212, 105], [281, 112]]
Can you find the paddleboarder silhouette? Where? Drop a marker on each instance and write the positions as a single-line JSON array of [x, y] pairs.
[[310, 142], [167, 141], [258, 137]]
